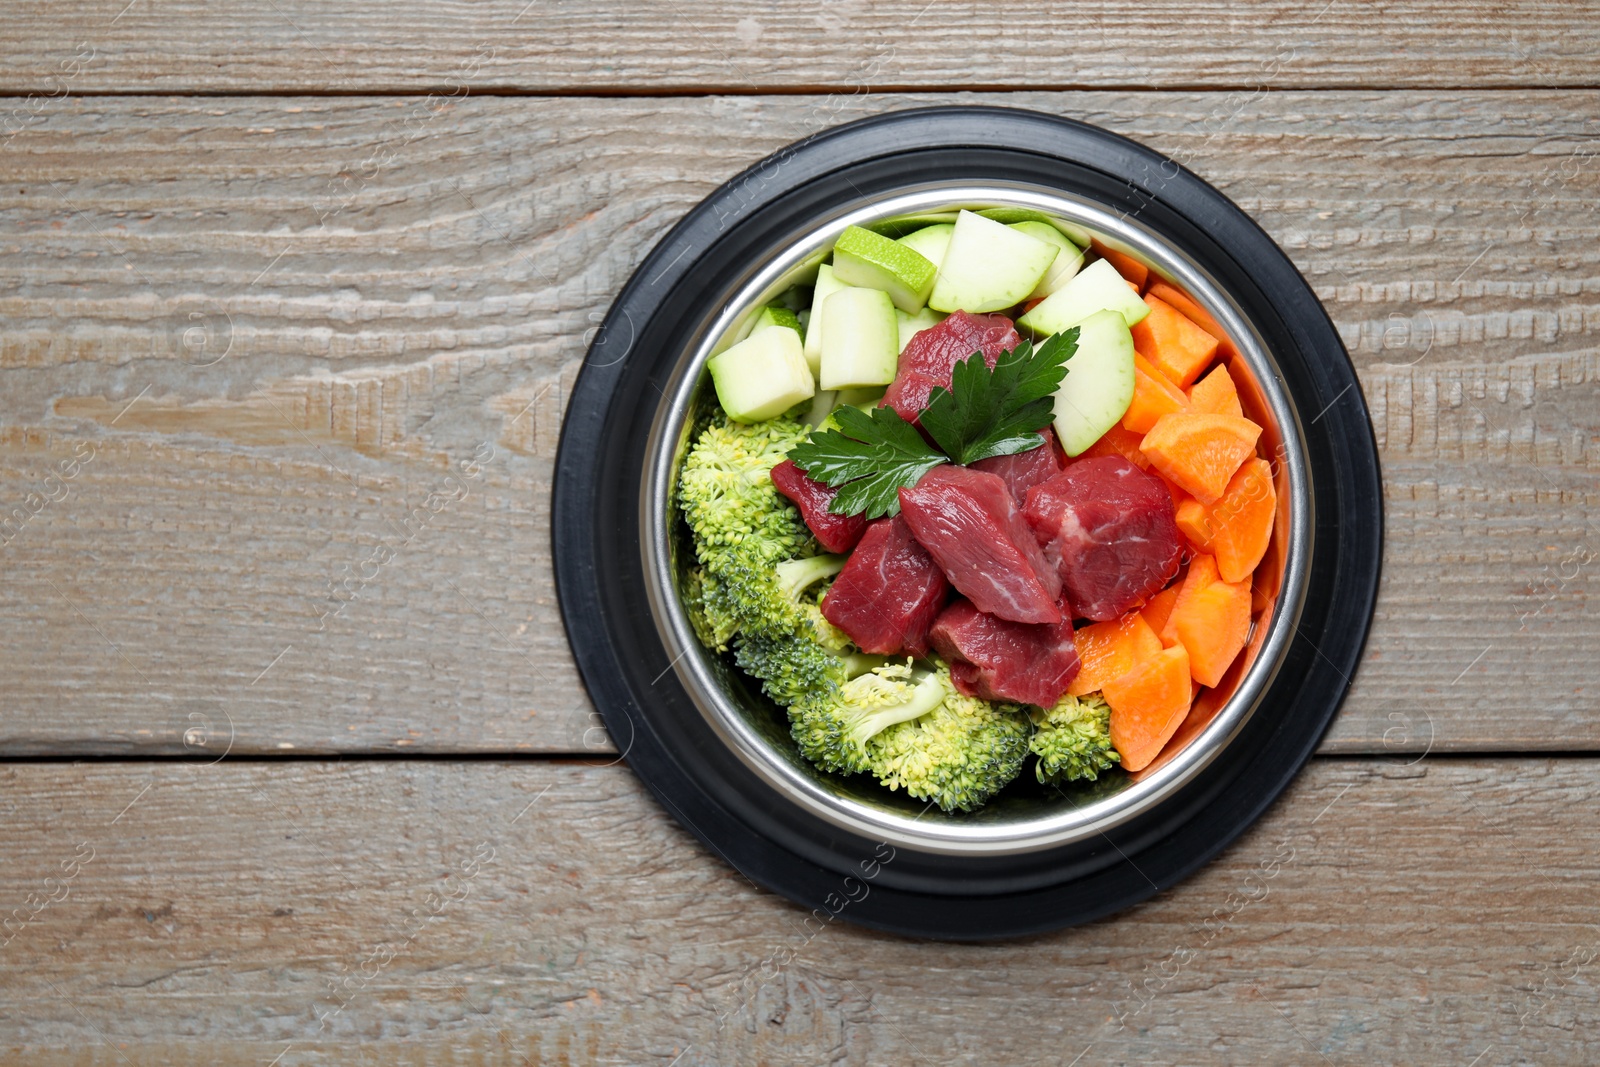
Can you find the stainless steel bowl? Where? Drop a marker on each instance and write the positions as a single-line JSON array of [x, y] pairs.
[[754, 729]]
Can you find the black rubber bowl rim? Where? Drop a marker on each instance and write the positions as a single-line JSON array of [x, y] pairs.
[[627, 669]]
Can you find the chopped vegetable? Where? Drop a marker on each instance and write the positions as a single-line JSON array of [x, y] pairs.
[[1110, 650], [1168, 339], [1202, 572], [1099, 382], [860, 339], [1212, 621], [1159, 610], [1153, 397], [1215, 394], [1241, 521], [1182, 301], [864, 258], [833, 728], [1119, 441], [1135, 272], [1200, 452], [1194, 522], [1148, 705], [1072, 739], [957, 756], [762, 376], [988, 266], [1096, 287]]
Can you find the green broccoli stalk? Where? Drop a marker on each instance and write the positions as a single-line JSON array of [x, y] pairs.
[[1073, 740], [833, 727], [958, 755]]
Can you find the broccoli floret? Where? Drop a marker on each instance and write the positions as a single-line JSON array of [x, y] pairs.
[[833, 727], [783, 638], [958, 755], [725, 490], [709, 613], [760, 583], [1073, 740]]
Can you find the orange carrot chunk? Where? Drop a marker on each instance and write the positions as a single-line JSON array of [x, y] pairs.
[[1212, 625], [1198, 452], [1215, 394], [1194, 523], [1118, 441], [1111, 649], [1241, 521], [1148, 704], [1184, 303], [1202, 572], [1159, 610], [1167, 338], [1125, 265], [1153, 397]]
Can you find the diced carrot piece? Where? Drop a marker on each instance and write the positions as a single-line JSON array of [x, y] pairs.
[[1167, 338], [1031, 304], [1241, 521], [1111, 649], [1153, 396], [1132, 284], [1159, 610], [1123, 264], [1199, 452], [1148, 704], [1202, 572], [1194, 522], [1184, 303], [1212, 625], [1215, 394], [1118, 441]]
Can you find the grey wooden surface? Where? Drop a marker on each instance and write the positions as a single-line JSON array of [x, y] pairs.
[[658, 46], [279, 308], [550, 913]]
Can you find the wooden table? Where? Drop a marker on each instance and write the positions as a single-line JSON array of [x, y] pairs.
[[296, 766]]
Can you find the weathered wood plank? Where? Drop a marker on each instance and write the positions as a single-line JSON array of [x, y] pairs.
[[562, 45], [399, 289], [425, 913]]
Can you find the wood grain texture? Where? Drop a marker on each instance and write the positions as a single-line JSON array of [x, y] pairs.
[[550, 45], [548, 913], [320, 309]]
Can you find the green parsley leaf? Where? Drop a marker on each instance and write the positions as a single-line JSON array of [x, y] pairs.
[[984, 413], [999, 412], [871, 456]]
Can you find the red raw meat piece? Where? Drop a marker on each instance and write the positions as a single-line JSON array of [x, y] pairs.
[[1108, 526], [835, 533], [969, 524], [1025, 470], [999, 660], [932, 355], [889, 592]]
